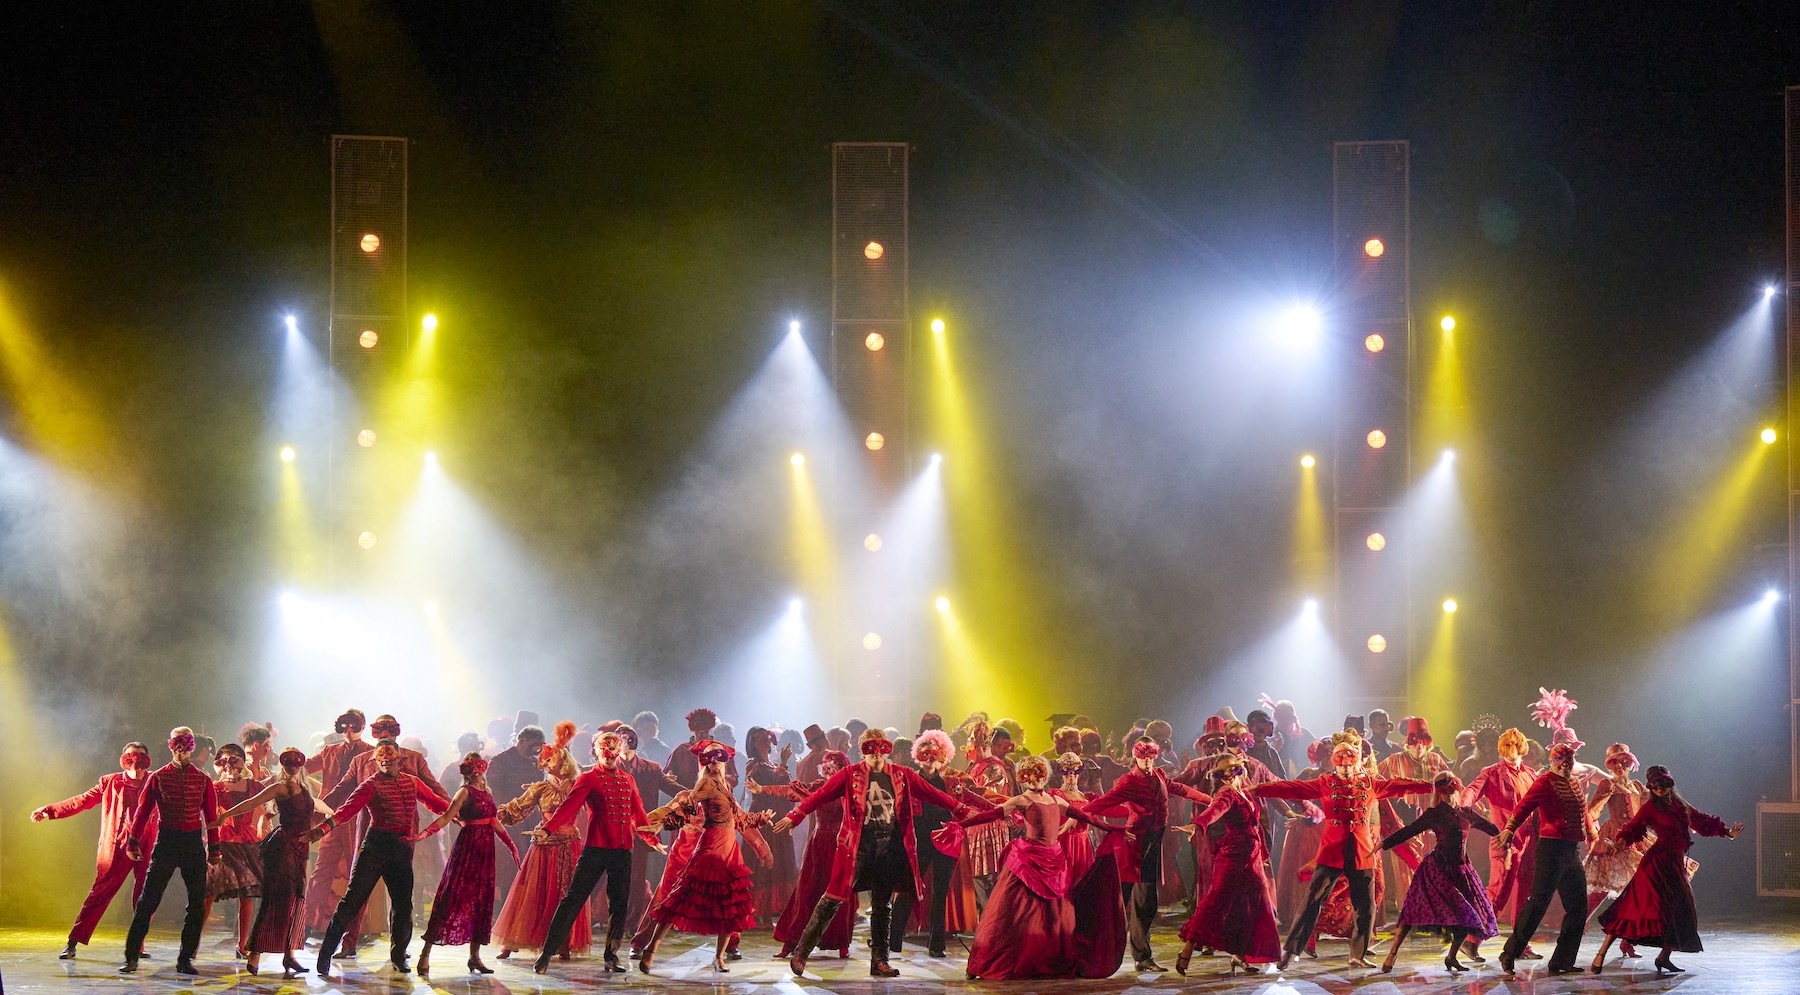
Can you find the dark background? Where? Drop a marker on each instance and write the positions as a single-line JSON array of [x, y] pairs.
[[620, 206]]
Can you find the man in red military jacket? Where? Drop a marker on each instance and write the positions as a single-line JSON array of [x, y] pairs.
[[1143, 791], [117, 796], [1564, 824], [1350, 847], [1502, 787], [875, 845], [331, 872], [179, 798]]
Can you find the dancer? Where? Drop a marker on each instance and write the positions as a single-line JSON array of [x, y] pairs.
[[1502, 786], [393, 799], [1143, 793], [683, 764], [117, 795], [549, 868], [615, 813], [1347, 845], [331, 872], [238, 871], [1300, 841], [510, 772], [1657, 907], [1610, 869], [1563, 826], [774, 882], [463, 909], [179, 796], [815, 865], [993, 772], [1445, 892], [1040, 921], [258, 741], [712, 893], [1415, 760], [931, 751], [872, 794], [1235, 914], [279, 926]]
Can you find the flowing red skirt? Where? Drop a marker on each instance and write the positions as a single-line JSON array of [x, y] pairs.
[[712, 893], [463, 911], [1234, 915], [773, 883], [815, 873], [1656, 909], [1299, 846], [542, 881], [1039, 924]]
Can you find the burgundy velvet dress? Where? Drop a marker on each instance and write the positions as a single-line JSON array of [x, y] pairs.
[[463, 911], [1234, 915], [280, 920], [1446, 892], [1040, 920], [773, 882], [1657, 908], [815, 874], [711, 891]]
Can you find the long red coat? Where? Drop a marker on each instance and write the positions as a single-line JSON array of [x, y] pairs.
[[117, 796], [851, 787], [1346, 802]]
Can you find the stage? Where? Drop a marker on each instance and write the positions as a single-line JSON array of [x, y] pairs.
[[1742, 956]]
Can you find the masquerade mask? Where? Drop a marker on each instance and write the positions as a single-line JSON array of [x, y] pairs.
[[630, 736], [1145, 750], [1622, 760], [183, 743], [1345, 755], [1562, 753], [712, 752], [1070, 764], [348, 721], [385, 729], [292, 759], [881, 746], [609, 745], [1660, 778], [832, 762], [1226, 774], [1239, 740], [387, 754], [472, 767], [134, 760]]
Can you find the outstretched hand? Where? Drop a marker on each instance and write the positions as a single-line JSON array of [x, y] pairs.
[[40, 814], [783, 826], [1737, 829]]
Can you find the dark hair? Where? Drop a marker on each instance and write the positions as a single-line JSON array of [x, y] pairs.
[[468, 742], [646, 714], [755, 735], [529, 732]]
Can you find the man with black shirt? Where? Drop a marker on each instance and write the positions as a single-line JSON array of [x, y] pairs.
[[931, 751]]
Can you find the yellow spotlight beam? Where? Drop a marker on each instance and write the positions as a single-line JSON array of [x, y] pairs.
[[468, 694], [61, 418], [1437, 689], [296, 540], [1692, 561], [1311, 552], [809, 539], [968, 679]]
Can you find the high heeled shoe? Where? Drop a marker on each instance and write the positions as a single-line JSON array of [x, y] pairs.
[[476, 967], [1182, 960], [718, 966], [1453, 965], [1666, 966], [423, 965], [292, 966]]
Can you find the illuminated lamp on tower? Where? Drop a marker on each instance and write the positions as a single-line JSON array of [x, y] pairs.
[[370, 242], [873, 250], [1378, 643], [368, 339], [366, 540], [1376, 542], [872, 641], [1373, 248], [366, 438], [1374, 343], [1377, 439], [875, 341], [872, 542], [875, 441]]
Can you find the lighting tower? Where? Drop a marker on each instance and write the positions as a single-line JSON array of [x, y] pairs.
[[1371, 456], [871, 355]]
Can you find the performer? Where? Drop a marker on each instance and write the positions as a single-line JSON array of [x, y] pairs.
[[258, 740], [1235, 914], [117, 795], [774, 882], [712, 893], [1416, 761], [549, 867], [683, 765], [815, 866], [1040, 921], [989, 768], [615, 811], [393, 799], [510, 772], [1563, 825], [1347, 845], [1502, 786], [1657, 907], [237, 873], [279, 926], [462, 910], [1609, 869], [331, 872], [179, 797], [1300, 842], [1444, 891], [873, 795], [931, 751]]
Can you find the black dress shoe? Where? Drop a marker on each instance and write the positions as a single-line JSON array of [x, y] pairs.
[[68, 952], [130, 966], [323, 964], [1506, 962], [401, 965], [185, 965], [1561, 969], [880, 969]]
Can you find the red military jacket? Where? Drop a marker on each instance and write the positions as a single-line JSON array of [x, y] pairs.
[[614, 806], [363, 766], [1346, 801], [117, 795], [1147, 795], [851, 786]]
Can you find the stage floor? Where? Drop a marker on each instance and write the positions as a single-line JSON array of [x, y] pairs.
[[1740, 957]]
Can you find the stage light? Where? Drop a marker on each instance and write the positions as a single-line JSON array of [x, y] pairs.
[[1374, 342], [1448, 456], [1373, 248], [1310, 606], [1768, 291], [287, 454], [293, 325], [873, 250], [430, 608], [430, 323], [1448, 324], [937, 458], [1377, 439], [1307, 462], [288, 600], [1377, 643], [366, 540], [370, 242], [431, 459], [1376, 542], [875, 341], [1449, 606], [796, 605], [943, 604], [874, 441], [798, 459], [872, 641], [937, 326], [872, 542], [366, 438], [1771, 596], [1299, 325], [1768, 436], [368, 338], [794, 327]]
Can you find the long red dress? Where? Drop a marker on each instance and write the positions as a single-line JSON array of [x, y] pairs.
[[1234, 915], [711, 892], [815, 874], [280, 927], [1657, 908], [688, 823], [543, 878], [1041, 921], [1299, 843], [463, 911], [773, 882]]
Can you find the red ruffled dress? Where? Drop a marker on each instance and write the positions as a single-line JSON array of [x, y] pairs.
[[1657, 908], [711, 892], [1234, 915]]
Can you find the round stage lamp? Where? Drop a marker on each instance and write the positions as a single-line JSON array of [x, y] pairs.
[[874, 441], [430, 323], [873, 250], [1378, 643], [366, 540], [1374, 343], [1307, 462], [1377, 439], [287, 454], [798, 460], [937, 326], [1449, 606], [368, 339], [872, 542], [1376, 542], [943, 604], [370, 242], [1768, 436], [1373, 248], [872, 641], [875, 341], [1448, 324], [366, 438]]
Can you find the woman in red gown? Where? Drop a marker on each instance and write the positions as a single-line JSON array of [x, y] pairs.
[[463, 911], [280, 925], [774, 882], [815, 866], [1040, 922], [549, 865], [711, 892], [1234, 915], [1657, 907]]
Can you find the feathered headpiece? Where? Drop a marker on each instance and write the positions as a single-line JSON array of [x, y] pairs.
[[706, 718], [932, 745], [979, 738], [1551, 709], [554, 756], [1070, 764]]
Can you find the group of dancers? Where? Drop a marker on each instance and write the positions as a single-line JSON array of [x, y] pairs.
[[1064, 852]]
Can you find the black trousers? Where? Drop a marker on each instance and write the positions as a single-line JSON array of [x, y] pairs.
[[175, 850], [1324, 878], [1140, 897], [1559, 871], [882, 871], [940, 866], [388, 858], [596, 861]]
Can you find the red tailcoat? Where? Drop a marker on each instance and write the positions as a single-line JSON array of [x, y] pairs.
[[1346, 802], [117, 796], [851, 786]]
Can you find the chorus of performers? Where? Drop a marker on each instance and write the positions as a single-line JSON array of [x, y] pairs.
[[1048, 865]]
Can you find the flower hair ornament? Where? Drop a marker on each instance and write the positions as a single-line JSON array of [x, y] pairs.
[[473, 766]]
